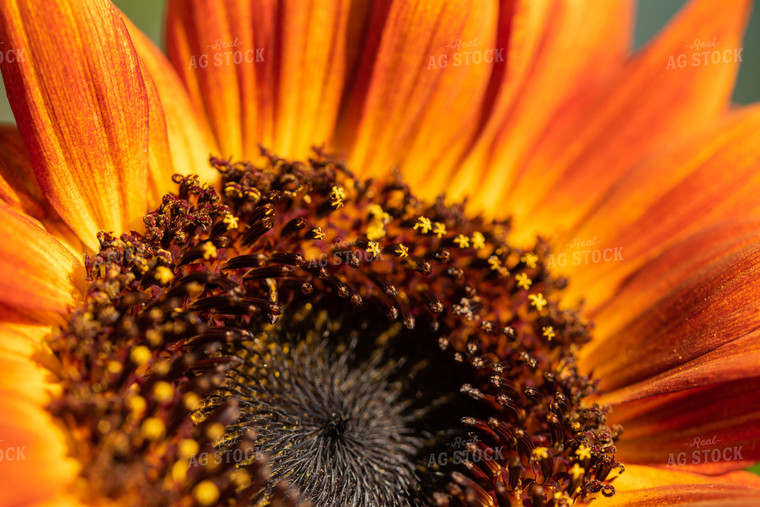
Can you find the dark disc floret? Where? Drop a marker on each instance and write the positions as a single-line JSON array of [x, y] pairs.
[[305, 336]]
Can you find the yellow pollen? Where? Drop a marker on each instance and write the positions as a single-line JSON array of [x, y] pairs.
[[209, 250], [192, 401], [402, 251], [318, 233], [583, 452], [373, 249], [154, 337], [179, 471], [153, 428], [577, 471], [424, 225], [163, 274], [478, 240], [494, 262], [215, 431], [462, 240], [241, 478], [523, 281], [337, 194], [140, 355], [163, 391], [529, 259], [538, 301], [114, 367], [206, 493], [188, 447], [439, 229], [540, 453], [231, 220], [549, 332], [137, 404]]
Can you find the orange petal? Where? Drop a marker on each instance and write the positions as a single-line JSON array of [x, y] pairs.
[[579, 44], [650, 486], [710, 429], [671, 197], [21, 192], [595, 141], [82, 109], [421, 82], [647, 284], [189, 136], [35, 466], [711, 308], [263, 72], [18, 185], [36, 271]]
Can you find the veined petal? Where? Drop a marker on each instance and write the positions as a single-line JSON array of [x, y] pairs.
[[263, 72], [18, 185], [82, 109], [36, 271], [407, 106], [21, 192], [594, 142], [189, 136], [648, 283], [594, 39], [671, 197], [650, 486], [711, 308], [710, 429]]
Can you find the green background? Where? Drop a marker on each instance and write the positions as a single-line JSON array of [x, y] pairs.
[[651, 16]]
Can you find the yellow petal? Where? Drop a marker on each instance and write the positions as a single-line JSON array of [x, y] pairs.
[[36, 271], [82, 108], [650, 486]]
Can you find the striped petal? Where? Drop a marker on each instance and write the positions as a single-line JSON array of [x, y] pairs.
[[263, 72], [189, 136], [417, 93], [594, 142], [710, 429], [709, 309], [82, 108], [36, 270], [593, 39], [671, 197]]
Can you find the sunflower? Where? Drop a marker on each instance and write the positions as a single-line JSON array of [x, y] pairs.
[[350, 253]]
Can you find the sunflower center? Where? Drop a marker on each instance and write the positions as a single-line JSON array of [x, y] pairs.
[[306, 335]]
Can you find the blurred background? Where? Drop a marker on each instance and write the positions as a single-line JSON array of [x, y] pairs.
[[651, 16]]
